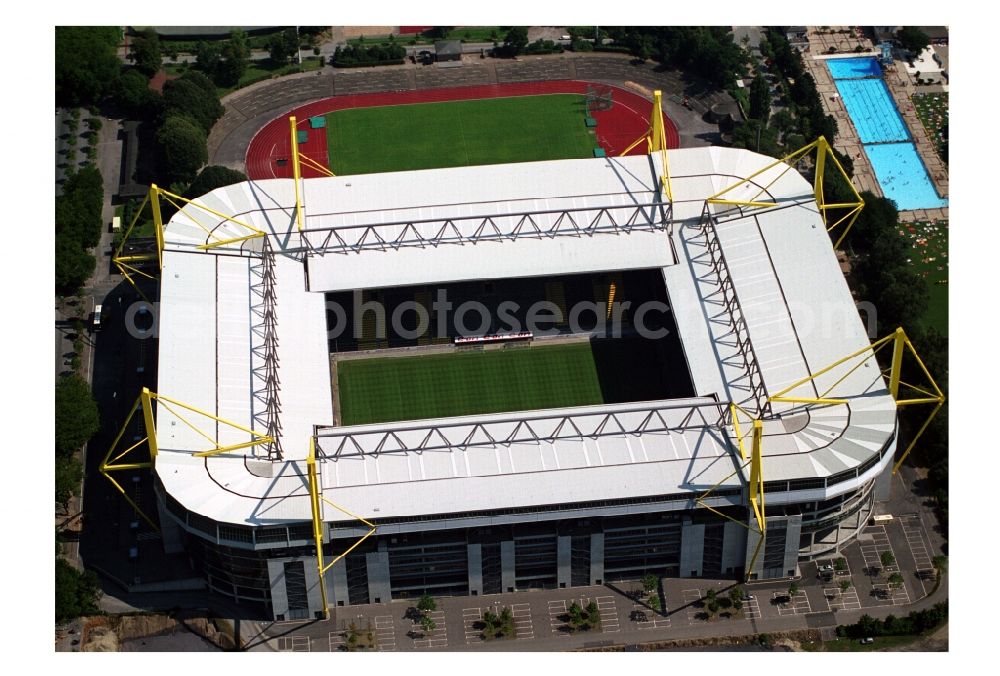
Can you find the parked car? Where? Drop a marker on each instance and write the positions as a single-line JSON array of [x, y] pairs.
[[866, 641]]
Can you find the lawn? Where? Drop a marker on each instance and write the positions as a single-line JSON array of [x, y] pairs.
[[932, 109], [928, 242], [458, 133], [467, 383]]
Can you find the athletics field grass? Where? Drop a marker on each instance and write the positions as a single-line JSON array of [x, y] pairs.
[[458, 133], [467, 383]]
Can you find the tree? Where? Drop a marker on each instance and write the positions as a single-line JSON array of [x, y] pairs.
[[887, 559], [736, 597], [844, 586], [284, 45], [194, 95], [183, 146], [146, 54], [840, 564], [426, 604], [760, 99], [516, 40], [491, 625], [506, 619], [783, 121], [73, 265], [211, 178], [575, 615], [133, 94], [712, 601], [593, 614], [869, 626], [207, 57], [940, 564], [235, 59], [793, 589], [78, 209], [427, 624], [87, 65], [69, 474], [912, 39], [650, 582], [76, 593], [895, 580], [77, 419]]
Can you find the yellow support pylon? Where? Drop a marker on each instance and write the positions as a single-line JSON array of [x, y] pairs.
[[656, 141], [315, 498], [755, 489], [900, 344], [144, 403], [296, 171], [824, 151]]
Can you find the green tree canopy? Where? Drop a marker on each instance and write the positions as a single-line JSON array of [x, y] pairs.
[[76, 593], [146, 54], [426, 603], [133, 94], [760, 99], [183, 146], [87, 65], [707, 51], [193, 95], [235, 59], [912, 39], [78, 209], [69, 474], [516, 40], [207, 58], [284, 45], [73, 265], [77, 419], [211, 178]]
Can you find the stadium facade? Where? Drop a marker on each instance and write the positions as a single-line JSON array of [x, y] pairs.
[[493, 503]]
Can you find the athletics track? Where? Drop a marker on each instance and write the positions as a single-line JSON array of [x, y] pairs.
[[627, 120]]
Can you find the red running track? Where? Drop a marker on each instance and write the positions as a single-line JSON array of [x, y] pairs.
[[627, 120]]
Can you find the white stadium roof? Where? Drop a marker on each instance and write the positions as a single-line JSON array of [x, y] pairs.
[[501, 221]]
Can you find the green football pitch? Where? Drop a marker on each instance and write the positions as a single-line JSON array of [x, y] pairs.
[[467, 383], [458, 133]]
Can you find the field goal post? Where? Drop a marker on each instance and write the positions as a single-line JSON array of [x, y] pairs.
[[599, 97]]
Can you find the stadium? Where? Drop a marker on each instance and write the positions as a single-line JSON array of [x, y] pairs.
[[679, 343]]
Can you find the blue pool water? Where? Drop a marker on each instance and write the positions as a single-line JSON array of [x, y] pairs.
[[873, 111], [884, 136], [902, 176], [846, 69]]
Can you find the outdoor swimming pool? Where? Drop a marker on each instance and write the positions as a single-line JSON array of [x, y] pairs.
[[884, 136]]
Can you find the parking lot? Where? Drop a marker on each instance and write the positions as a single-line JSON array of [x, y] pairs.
[[874, 541], [627, 617]]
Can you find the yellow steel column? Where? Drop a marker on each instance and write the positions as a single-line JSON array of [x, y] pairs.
[[899, 342], [295, 170], [317, 522], [822, 148], [757, 476], [147, 416], [154, 205], [656, 120]]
